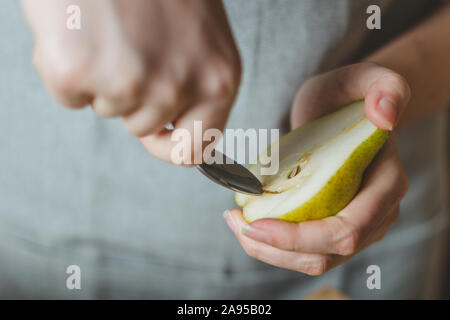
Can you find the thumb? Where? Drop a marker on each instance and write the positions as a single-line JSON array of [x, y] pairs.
[[386, 94]]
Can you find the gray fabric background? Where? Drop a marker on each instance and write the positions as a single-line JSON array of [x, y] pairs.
[[77, 189]]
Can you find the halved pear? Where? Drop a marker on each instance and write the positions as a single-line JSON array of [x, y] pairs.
[[321, 165]]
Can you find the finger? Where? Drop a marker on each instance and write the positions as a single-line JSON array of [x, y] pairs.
[[193, 122], [73, 99], [119, 91], [108, 107], [63, 81], [386, 94], [384, 227], [212, 93], [384, 185], [162, 104], [344, 233], [311, 264], [325, 236]]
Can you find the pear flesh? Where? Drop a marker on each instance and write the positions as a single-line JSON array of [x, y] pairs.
[[320, 169]]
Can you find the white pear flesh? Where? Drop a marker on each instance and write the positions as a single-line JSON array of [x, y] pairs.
[[320, 170]]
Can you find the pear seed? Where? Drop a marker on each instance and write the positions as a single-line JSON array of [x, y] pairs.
[[294, 172]]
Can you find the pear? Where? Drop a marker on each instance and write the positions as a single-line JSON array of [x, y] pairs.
[[321, 166]]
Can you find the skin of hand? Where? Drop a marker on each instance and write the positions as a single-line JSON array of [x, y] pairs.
[[314, 247], [150, 62], [422, 58]]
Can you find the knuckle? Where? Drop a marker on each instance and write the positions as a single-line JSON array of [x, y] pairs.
[[347, 243], [65, 78], [166, 93], [129, 126], [65, 71], [137, 132], [136, 129], [130, 88], [315, 267], [399, 82], [127, 77], [141, 122], [105, 108], [401, 185], [222, 81], [394, 77], [170, 95]]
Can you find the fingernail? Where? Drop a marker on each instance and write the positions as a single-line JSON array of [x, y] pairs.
[[255, 234], [387, 112], [229, 220]]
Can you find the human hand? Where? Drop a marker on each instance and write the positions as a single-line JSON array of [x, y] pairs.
[[314, 247], [149, 62]]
